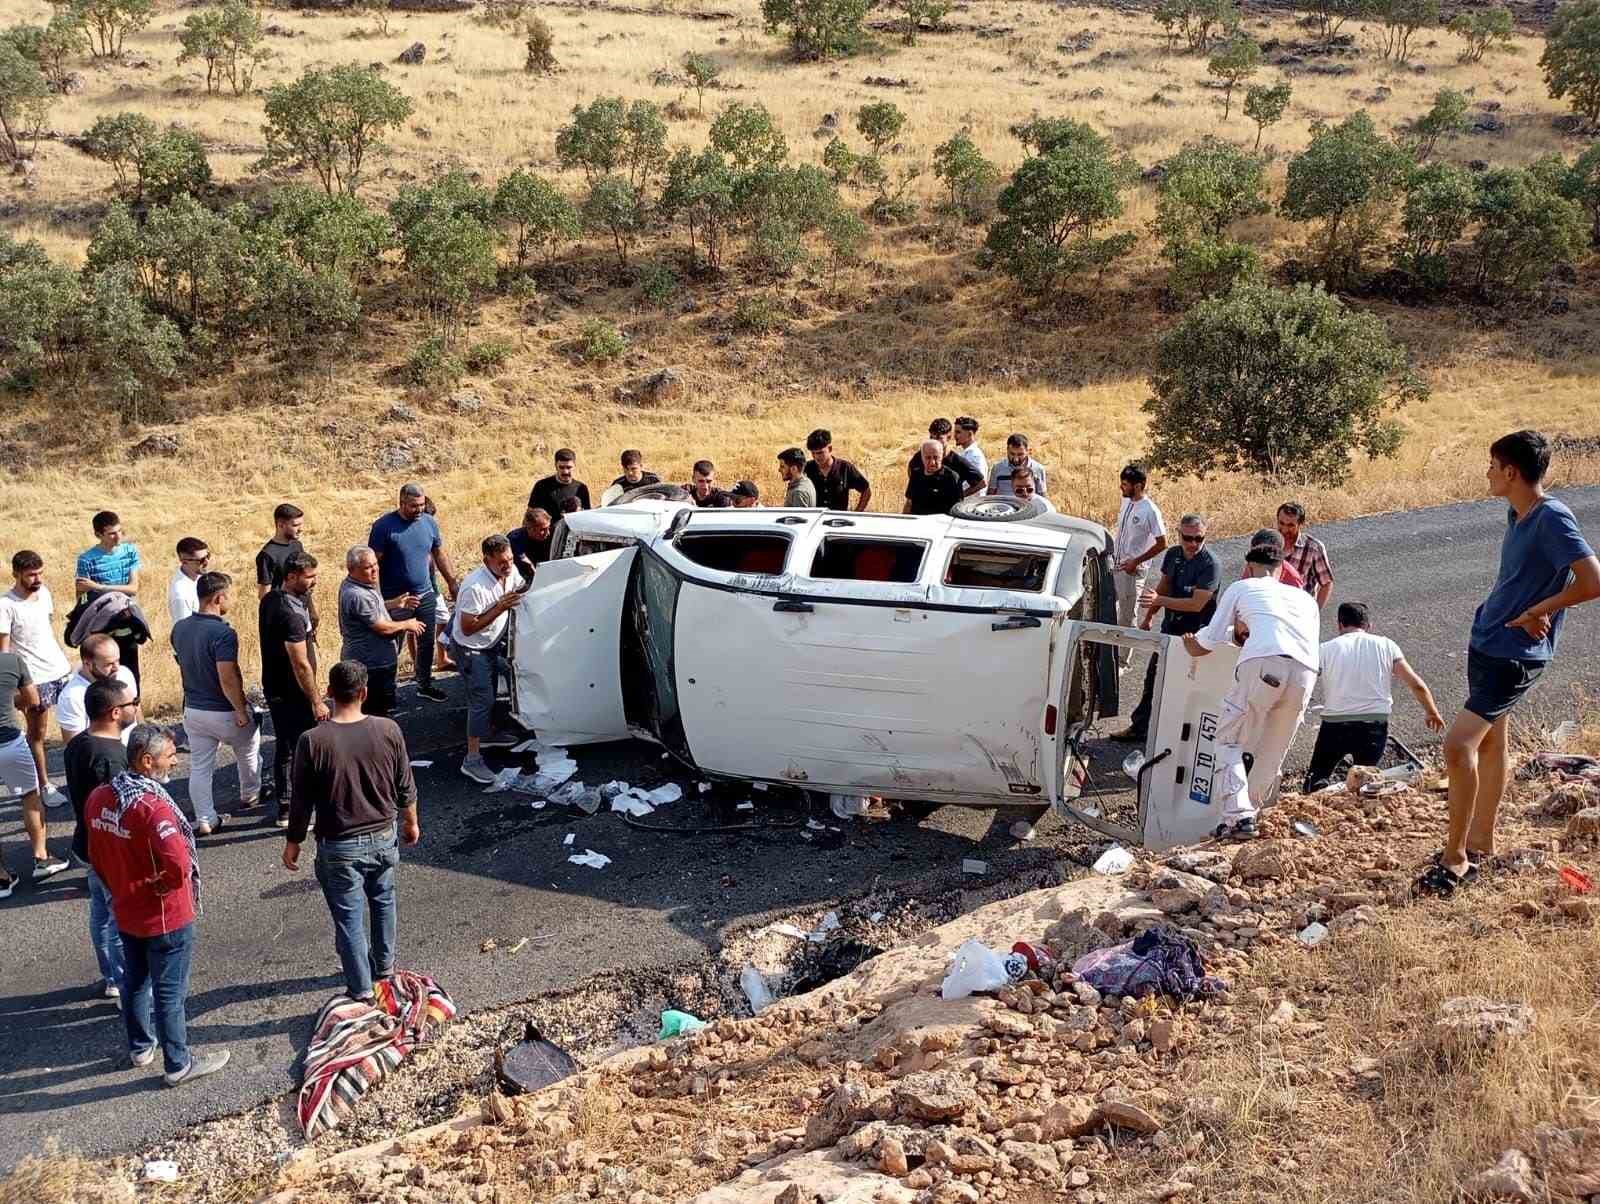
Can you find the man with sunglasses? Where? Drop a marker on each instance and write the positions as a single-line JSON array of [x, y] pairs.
[[182, 598], [93, 757], [1186, 595]]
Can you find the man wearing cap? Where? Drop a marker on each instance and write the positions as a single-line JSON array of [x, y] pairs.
[[1277, 630], [745, 494]]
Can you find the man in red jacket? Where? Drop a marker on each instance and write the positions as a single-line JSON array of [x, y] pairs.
[[142, 848]]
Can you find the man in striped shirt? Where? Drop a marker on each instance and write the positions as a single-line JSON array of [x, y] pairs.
[[1307, 556]]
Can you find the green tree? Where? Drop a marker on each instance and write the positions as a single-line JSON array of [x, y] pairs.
[[611, 136], [971, 178], [1207, 188], [25, 100], [701, 190], [109, 22], [537, 211], [1436, 212], [331, 119], [880, 123], [538, 44], [1286, 384], [1483, 30], [135, 352], [448, 194], [919, 11], [612, 207], [171, 164], [1524, 228], [51, 46], [1209, 20], [1041, 135], [1265, 106], [228, 40], [447, 251], [38, 322], [119, 140], [1235, 60], [1173, 16], [1571, 59], [747, 135], [329, 235], [1447, 117], [845, 235], [1330, 15], [1401, 20], [1051, 215], [702, 71], [1346, 179], [817, 29], [1581, 183]]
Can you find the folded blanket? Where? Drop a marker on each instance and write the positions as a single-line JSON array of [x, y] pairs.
[[356, 1044]]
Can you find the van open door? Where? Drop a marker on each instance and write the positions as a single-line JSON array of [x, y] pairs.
[[1163, 796], [565, 649]]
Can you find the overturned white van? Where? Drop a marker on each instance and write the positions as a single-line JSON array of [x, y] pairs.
[[947, 659]]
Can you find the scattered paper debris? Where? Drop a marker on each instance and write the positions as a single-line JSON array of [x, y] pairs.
[[971, 865], [630, 804], [755, 990], [876, 917], [517, 948], [1115, 860], [745, 807], [161, 1171], [828, 923], [758, 785], [1312, 935], [595, 861], [789, 930], [502, 780], [568, 838], [661, 795], [529, 746], [703, 787], [422, 765]]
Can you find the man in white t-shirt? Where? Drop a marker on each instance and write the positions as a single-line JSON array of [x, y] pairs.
[[479, 628], [1141, 537], [1358, 672], [102, 660], [183, 599], [27, 627], [1277, 629], [965, 434]]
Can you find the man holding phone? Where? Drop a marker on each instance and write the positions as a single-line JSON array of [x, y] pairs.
[[486, 598]]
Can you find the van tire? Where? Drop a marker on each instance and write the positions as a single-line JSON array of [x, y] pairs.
[[997, 508], [660, 492]]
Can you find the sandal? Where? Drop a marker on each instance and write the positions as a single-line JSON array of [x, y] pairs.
[[1443, 882]]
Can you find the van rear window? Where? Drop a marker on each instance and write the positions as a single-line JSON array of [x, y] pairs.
[[736, 553], [976, 567], [853, 558]]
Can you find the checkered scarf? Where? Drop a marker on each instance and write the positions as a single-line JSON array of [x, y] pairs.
[[132, 788]]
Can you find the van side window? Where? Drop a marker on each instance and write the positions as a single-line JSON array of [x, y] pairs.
[[854, 558], [588, 547], [973, 566], [731, 552]]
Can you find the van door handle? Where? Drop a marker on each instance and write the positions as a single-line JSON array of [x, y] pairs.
[[1015, 623], [793, 608]]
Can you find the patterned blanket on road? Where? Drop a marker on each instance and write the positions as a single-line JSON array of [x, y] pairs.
[[357, 1043]]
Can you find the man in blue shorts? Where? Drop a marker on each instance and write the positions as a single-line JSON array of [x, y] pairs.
[[1545, 568]]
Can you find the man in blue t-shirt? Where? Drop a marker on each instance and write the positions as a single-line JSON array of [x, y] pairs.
[[407, 543], [1545, 567]]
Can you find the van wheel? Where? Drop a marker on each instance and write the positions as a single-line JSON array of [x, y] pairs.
[[661, 492], [997, 508]]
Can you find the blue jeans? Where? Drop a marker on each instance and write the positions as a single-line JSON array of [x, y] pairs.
[[353, 870], [154, 992], [427, 610], [482, 669], [103, 934]]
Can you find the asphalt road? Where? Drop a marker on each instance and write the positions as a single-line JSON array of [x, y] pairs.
[[490, 867]]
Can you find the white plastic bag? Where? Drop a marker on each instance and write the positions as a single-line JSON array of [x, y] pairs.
[[755, 990], [1115, 860], [975, 967]]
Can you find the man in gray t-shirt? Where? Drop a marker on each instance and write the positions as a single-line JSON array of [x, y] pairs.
[[214, 708], [370, 636]]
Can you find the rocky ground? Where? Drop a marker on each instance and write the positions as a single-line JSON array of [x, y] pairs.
[[874, 1088]]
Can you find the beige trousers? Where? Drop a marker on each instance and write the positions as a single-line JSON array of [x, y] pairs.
[[1261, 719]]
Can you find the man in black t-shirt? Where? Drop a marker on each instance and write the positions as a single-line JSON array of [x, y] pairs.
[[702, 487], [834, 477], [634, 475], [289, 672], [1186, 596], [972, 480], [92, 758], [287, 522], [531, 541], [934, 487], [551, 494]]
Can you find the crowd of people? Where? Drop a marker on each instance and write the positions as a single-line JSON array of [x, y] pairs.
[[340, 766]]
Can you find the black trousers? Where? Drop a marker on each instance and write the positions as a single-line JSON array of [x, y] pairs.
[[380, 690], [1139, 721], [128, 653], [291, 719], [1362, 740]]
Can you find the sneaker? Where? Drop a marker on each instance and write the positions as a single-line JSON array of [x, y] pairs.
[[1129, 735], [202, 828], [281, 822], [476, 768], [432, 694], [110, 990], [47, 867], [143, 1058], [199, 1066], [7, 885], [54, 799], [1022, 830], [248, 804], [1244, 829], [500, 740]]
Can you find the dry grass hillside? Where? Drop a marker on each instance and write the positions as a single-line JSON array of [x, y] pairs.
[[917, 331]]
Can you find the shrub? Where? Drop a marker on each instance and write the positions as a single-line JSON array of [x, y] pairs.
[[1401, 20], [432, 365], [1265, 106], [487, 354], [1051, 212], [918, 11], [601, 342], [1197, 22], [1208, 187], [1437, 209], [1581, 183], [971, 179], [1346, 179], [702, 72], [756, 315], [1483, 30], [539, 45], [1448, 116], [818, 29], [1571, 58], [38, 322], [1287, 384], [447, 195], [1235, 60], [447, 247], [172, 164], [611, 136], [845, 235], [747, 135], [109, 22], [332, 120], [228, 41], [134, 351], [1041, 135], [700, 189], [334, 235], [119, 140], [1524, 227], [537, 211], [612, 207], [658, 284], [25, 100]]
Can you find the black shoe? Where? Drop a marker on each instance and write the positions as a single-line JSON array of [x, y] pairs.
[[432, 694], [1129, 735]]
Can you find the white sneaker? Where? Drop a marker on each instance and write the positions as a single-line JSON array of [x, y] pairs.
[[199, 1066], [55, 800], [1022, 830]]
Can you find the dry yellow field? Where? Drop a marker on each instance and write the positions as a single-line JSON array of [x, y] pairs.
[[917, 331]]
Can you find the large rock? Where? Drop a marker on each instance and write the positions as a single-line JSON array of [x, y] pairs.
[[1205, 863], [652, 389], [159, 444], [1509, 1179], [412, 55], [849, 1103], [1071, 1117], [1262, 859], [934, 1095], [1125, 1114], [1478, 1021], [1032, 1157], [1584, 825]]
